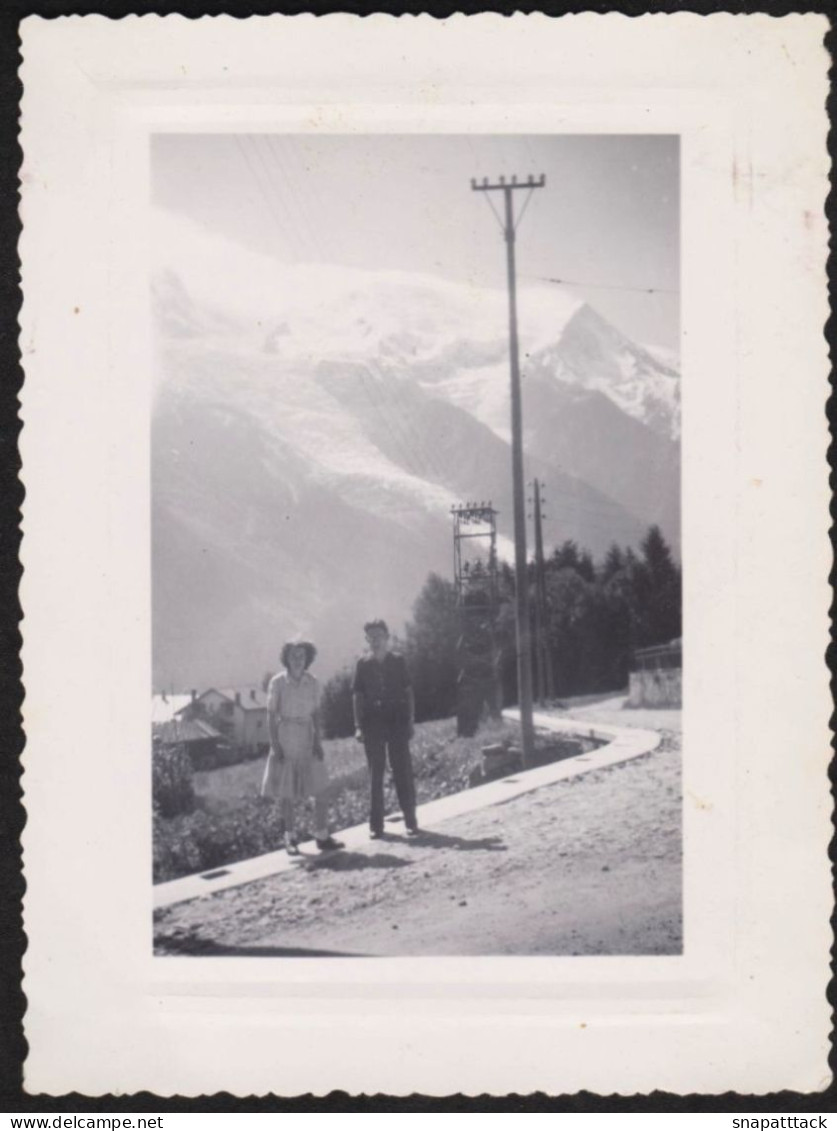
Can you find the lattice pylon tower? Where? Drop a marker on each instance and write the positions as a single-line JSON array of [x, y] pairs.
[[477, 595]]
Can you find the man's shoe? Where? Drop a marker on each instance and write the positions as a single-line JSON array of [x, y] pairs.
[[413, 830], [329, 844], [376, 834]]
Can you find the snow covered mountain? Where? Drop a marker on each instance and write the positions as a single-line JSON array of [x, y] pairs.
[[313, 425]]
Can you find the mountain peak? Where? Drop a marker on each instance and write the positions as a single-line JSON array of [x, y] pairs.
[[314, 423]]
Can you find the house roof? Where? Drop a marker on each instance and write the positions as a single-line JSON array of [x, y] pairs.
[[174, 731], [165, 706], [252, 698]]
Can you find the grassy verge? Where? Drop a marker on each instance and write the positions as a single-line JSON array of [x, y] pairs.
[[232, 822]]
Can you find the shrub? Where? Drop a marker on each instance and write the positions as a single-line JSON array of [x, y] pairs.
[[336, 706], [172, 788], [200, 841]]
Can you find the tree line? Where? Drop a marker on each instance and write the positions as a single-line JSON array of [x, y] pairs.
[[597, 614]]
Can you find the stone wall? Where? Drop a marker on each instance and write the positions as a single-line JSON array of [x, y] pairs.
[[662, 687]]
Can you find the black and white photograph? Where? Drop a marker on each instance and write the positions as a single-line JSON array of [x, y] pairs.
[[416, 580]]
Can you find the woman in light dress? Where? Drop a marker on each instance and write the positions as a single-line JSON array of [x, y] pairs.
[[296, 763]]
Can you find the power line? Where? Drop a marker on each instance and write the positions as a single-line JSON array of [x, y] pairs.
[[269, 165], [296, 227], [542, 656], [490, 204], [519, 220], [413, 450], [267, 195], [283, 164], [602, 286]]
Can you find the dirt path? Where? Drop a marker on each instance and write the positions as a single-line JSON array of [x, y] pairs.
[[587, 866]]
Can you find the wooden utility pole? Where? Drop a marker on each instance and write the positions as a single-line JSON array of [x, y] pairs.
[[541, 635], [524, 630], [537, 612]]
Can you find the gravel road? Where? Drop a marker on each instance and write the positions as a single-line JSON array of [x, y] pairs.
[[591, 865]]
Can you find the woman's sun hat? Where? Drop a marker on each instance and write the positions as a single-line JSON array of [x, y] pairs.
[[310, 652]]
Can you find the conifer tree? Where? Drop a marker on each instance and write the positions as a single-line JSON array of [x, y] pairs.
[[660, 589], [613, 563], [431, 648]]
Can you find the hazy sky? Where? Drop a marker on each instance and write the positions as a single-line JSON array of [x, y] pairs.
[[607, 220]]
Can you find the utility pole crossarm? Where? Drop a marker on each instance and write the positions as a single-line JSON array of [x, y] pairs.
[[514, 183]]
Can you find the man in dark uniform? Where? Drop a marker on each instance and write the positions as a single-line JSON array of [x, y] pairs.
[[384, 709]]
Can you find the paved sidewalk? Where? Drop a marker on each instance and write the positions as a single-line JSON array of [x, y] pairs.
[[613, 710], [622, 744]]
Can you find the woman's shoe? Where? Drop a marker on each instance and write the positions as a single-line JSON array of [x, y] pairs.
[[291, 847]]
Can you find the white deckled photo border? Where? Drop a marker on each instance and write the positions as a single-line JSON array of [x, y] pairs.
[[744, 1007]]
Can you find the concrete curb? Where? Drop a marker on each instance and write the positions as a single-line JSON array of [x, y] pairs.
[[623, 743]]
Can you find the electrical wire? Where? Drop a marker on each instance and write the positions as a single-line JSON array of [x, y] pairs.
[[281, 161], [269, 165], [519, 219], [268, 197], [414, 451], [490, 203], [601, 286]]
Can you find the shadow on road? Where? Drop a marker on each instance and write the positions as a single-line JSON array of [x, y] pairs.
[[208, 948], [443, 840], [357, 861]]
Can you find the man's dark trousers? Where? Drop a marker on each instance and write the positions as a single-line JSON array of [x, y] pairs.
[[382, 740]]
